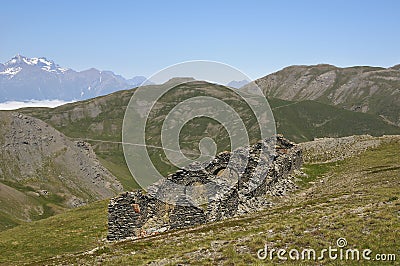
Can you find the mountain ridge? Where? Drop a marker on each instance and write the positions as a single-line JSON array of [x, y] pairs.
[[38, 78], [374, 90], [99, 121]]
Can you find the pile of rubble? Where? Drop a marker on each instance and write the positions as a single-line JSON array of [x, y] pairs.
[[231, 184]]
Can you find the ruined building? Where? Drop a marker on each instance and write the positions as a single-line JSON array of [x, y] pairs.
[[222, 188]]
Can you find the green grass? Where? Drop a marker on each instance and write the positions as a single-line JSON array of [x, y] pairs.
[[69, 232], [345, 199], [313, 172], [18, 186], [307, 120], [115, 163], [20, 203], [8, 221]]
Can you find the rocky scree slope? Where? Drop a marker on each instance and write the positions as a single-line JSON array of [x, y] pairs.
[[42, 171]]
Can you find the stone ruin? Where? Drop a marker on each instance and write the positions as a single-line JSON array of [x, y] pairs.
[[224, 192]]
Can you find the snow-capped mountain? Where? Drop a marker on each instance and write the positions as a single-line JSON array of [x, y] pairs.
[[18, 62], [23, 78]]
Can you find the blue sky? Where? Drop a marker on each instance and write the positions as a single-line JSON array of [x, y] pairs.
[[258, 37]]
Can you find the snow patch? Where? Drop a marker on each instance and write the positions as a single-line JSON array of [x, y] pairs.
[[30, 61], [11, 71], [43, 63]]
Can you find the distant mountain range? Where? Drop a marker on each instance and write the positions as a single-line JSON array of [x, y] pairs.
[[237, 84], [23, 79]]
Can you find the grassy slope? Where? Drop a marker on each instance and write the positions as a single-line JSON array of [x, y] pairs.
[[356, 199], [298, 121], [8, 221], [17, 207], [374, 86], [306, 120], [69, 232]]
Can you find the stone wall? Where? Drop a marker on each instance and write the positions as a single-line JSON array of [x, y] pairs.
[[138, 214]]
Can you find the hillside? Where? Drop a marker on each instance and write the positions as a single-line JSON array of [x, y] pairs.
[[99, 121], [42, 172], [355, 197], [372, 90], [306, 120]]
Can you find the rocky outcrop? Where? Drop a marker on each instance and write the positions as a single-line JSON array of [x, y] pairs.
[[213, 192]]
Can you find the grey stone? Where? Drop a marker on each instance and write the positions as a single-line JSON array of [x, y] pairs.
[[264, 174]]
